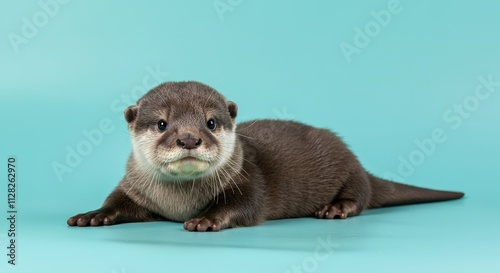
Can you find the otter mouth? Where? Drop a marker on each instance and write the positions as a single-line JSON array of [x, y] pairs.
[[187, 167], [188, 159]]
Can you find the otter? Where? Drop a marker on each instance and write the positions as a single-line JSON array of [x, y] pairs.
[[190, 163]]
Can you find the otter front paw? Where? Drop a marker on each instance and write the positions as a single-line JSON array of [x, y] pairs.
[[204, 224], [94, 218]]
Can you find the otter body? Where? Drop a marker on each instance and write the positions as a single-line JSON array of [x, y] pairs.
[[191, 164]]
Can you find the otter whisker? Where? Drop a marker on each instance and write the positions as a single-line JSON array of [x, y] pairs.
[[222, 187], [192, 186], [231, 179], [242, 135]]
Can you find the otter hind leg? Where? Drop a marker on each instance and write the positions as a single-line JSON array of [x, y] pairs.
[[352, 199], [340, 209]]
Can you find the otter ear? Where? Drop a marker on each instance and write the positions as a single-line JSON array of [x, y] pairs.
[[232, 108], [131, 113]]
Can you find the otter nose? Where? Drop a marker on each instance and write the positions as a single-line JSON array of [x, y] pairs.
[[189, 143]]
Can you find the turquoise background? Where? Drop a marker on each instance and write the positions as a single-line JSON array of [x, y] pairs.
[[275, 59]]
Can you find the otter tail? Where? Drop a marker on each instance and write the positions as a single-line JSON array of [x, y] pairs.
[[387, 193]]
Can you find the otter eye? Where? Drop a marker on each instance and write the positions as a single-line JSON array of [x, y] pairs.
[[211, 124], [162, 125]]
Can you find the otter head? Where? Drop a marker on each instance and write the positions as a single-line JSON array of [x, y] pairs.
[[182, 131]]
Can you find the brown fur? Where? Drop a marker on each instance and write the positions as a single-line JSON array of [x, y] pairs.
[[267, 169]]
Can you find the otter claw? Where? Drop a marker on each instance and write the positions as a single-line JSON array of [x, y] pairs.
[[203, 224]]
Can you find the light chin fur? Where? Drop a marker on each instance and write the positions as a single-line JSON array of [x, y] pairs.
[[141, 151], [228, 140], [177, 170], [185, 170]]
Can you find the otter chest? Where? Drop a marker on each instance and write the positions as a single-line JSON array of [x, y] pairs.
[[177, 201]]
